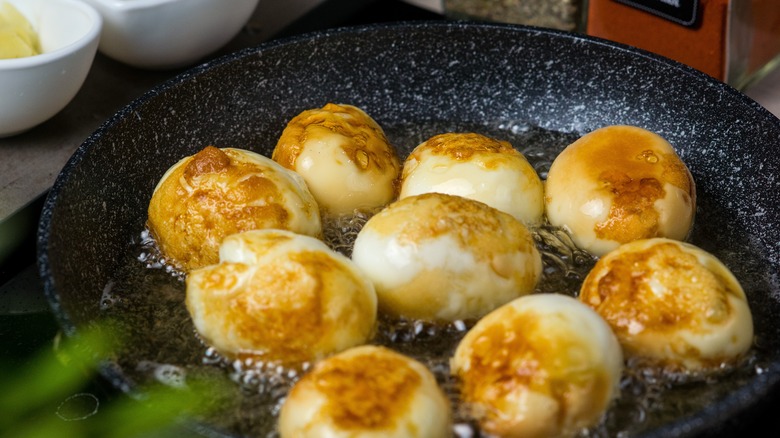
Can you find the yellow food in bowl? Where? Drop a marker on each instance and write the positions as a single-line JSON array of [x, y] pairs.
[[18, 38]]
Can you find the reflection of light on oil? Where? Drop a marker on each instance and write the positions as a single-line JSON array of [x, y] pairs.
[[108, 299], [78, 407], [648, 156], [167, 374], [463, 430], [170, 375]]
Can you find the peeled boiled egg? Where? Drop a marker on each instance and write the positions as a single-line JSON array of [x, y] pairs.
[[477, 167], [671, 302], [443, 258], [344, 157], [543, 365], [280, 297], [366, 391], [216, 192], [617, 184]]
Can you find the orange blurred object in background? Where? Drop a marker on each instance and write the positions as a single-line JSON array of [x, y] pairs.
[[735, 41]]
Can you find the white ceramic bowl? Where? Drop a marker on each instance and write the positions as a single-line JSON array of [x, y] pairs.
[[165, 34], [35, 88]]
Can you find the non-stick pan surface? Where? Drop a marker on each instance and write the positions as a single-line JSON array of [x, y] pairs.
[[524, 85]]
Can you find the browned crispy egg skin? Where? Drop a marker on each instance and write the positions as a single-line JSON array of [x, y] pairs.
[[477, 167], [344, 157], [218, 192], [543, 365], [366, 394], [441, 258], [618, 184], [672, 303], [463, 146], [280, 297], [367, 391]]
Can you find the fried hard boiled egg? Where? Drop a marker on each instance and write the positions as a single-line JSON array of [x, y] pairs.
[[543, 365], [216, 192], [477, 167], [672, 303], [442, 258], [617, 184], [343, 155], [366, 391], [280, 297]]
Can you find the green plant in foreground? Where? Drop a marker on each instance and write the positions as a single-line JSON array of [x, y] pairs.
[[31, 396]]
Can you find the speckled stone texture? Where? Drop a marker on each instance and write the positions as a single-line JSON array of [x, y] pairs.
[[421, 73]]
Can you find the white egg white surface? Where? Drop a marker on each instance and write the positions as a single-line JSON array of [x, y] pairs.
[[477, 167], [671, 302], [216, 192], [366, 392], [543, 365], [443, 258], [344, 157], [280, 297], [618, 184]]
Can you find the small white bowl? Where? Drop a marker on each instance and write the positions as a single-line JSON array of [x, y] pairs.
[[35, 88], [166, 34]]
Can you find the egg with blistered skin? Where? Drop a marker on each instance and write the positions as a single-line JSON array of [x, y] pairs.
[[366, 392], [280, 297], [618, 184], [442, 258], [216, 192], [672, 303], [543, 365], [344, 157], [476, 167]]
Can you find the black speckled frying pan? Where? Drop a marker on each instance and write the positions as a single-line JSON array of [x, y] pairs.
[[525, 85]]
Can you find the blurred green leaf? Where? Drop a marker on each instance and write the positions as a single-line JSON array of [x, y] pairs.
[[47, 377], [33, 395]]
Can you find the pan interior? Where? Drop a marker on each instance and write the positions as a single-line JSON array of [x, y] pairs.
[[537, 89]]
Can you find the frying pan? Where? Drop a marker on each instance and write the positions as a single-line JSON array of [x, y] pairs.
[[417, 80]]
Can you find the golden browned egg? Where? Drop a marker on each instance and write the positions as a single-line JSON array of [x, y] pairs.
[[543, 365], [671, 302], [441, 257], [216, 192], [618, 184], [282, 297], [477, 167], [364, 392], [343, 155]]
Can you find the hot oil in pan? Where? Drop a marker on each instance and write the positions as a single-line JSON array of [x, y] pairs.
[[147, 299]]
